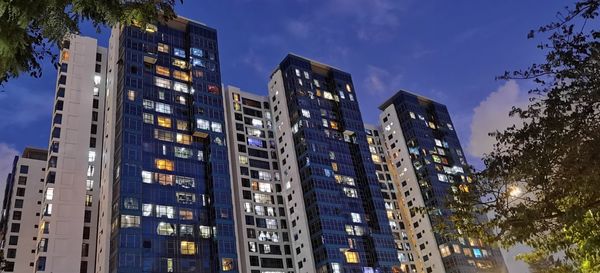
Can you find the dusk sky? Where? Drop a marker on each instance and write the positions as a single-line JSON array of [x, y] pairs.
[[450, 51]]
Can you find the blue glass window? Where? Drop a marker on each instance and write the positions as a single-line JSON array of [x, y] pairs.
[[179, 52]]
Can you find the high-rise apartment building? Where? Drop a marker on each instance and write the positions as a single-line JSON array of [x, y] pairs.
[[337, 214], [21, 210], [261, 217], [426, 156], [67, 234], [404, 247], [167, 181]]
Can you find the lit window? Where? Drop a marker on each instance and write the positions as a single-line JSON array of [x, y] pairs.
[[91, 156], [164, 71], [88, 200], [306, 75], [131, 95], [243, 159], [180, 87], [148, 118], [188, 248], [164, 179], [438, 142], [257, 123], [151, 28], [205, 232], [412, 115], [148, 104], [49, 193], [163, 135], [147, 209], [297, 72], [186, 214], [96, 91], [165, 211], [227, 264], [170, 267], [355, 217], [166, 229], [350, 192], [216, 127], [442, 177], [64, 57], [146, 177], [164, 164], [185, 182], [179, 52], [130, 221], [185, 198], [182, 125], [305, 113], [348, 88], [351, 257], [202, 124], [161, 82], [163, 108], [184, 139], [376, 158], [90, 170], [89, 185], [97, 79], [164, 121], [163, 48], [327, 95], [180, 63], [183, 152], [196, 52], [180, 75], [186, 230]]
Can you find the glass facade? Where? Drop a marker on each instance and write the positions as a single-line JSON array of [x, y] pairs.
[[345, 211], [420, 130], [172, 205]]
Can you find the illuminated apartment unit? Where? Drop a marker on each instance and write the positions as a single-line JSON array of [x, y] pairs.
[[262, 226], [426, 157], [337, 215], [66, 238], [393, 204], [166, 190], [21, 210]]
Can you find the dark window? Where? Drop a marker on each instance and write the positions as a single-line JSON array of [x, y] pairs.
[[60, 92], [66, 44], [17, 215], [56, 132], [94, 129], [59, 105], [57, 119], [13, 240], [19, 203], [88, 216], [86, 232], [62, 79], [11, 253], [98, 68], [63, 67], [22, 180], [15, 227], [98, 57], [24, 169], [41, 264], [20, 191], [92, 142], [94, 116], [95, 104]]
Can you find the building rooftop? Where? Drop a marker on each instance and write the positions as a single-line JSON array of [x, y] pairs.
[[35, 153], [403, 92]]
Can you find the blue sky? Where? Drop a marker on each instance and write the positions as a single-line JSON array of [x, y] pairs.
[[449, 51]]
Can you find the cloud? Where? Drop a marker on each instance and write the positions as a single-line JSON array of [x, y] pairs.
[[380, 82], [254, 61], [22, 106], [298, 29], [492, 114]]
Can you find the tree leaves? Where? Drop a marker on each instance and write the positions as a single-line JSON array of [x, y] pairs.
[[552, 158], [30, 30]]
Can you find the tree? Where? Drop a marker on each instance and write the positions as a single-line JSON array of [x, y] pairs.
[[541, 182], [31, 29]]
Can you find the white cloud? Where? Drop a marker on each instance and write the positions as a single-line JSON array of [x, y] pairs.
[[379, 81], [492, 114], [297, 28]]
